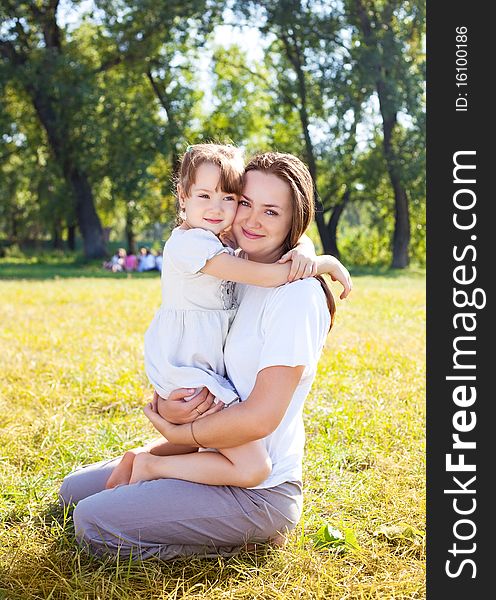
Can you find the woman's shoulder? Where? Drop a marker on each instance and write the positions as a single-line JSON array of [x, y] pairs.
[[296, 309], [302, 290], [298, 298]]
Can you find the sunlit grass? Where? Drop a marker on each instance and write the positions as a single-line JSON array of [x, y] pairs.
[[71, 390]]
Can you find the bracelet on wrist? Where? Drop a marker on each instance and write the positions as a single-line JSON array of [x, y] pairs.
[[193, 435]]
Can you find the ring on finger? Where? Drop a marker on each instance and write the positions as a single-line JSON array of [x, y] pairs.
[[200, 413]]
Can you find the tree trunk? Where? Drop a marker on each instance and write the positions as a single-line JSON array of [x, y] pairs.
[[130, 237], [63, 150], [71, 237], [14, 231], [388, 108], [319, 208], [58, 128], [172, 126], [295, 58], [401, 236], [88, 221], [332, 225], [312, 167], [57, 242]]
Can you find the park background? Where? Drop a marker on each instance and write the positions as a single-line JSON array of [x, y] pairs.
[[98, 99]]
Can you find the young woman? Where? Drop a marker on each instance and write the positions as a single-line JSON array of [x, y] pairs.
[[184, 344], [271, 356]]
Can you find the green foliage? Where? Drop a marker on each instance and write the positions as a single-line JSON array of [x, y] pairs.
[[127, 97], [328, 64], [401, 534], [330, 537], [361, 245], [241, 101], [33, 197]]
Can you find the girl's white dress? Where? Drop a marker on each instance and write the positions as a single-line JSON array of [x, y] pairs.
[[184, 344]]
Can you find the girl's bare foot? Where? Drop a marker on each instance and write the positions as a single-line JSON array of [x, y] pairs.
[[122, 472]]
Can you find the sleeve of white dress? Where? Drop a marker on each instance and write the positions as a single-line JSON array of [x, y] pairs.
[[295, 325], [190, 250]]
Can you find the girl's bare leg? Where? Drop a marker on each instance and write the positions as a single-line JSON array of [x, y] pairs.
[[243, 466], [122, 472]]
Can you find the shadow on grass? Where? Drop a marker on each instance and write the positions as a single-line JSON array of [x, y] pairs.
[[54, 567], [64, 268], [385, 271]]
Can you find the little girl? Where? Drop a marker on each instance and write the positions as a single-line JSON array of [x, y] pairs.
[[184, 343]]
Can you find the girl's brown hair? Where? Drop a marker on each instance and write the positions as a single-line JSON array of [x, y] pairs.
[[228, 158], [294, 172]]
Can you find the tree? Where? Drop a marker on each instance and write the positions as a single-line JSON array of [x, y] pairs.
[[387, 56], [157, 95], [33, 196], [61, 78], [331, 60], [32, 49], [302, 38], [241, 102]]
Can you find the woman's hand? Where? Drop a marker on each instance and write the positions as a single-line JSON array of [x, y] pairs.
[[161, 425], [177, 410]]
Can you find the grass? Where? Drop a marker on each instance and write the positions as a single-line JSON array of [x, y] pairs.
[[71, 392], [57, 267]]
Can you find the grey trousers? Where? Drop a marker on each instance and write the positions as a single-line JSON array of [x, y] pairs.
[[170, 518]]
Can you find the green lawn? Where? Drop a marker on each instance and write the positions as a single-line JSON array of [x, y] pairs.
[[71, 390]]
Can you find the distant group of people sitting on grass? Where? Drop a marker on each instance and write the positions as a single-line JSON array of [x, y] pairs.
[[147, 260]]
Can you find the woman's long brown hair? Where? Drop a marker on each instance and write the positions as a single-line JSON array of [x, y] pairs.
[[294, 172]]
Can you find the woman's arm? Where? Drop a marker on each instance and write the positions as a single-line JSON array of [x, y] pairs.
[[253, 419]]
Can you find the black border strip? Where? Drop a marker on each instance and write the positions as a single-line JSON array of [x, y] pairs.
[[460, 397]]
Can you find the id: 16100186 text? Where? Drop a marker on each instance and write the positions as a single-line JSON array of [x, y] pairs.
[[461, 66]]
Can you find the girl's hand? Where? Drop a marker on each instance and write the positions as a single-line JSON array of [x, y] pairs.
[[339, 272], [228, 239], [307, 265], [179, 411], [303, 263]]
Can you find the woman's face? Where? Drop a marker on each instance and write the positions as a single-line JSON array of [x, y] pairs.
[[264, 216]]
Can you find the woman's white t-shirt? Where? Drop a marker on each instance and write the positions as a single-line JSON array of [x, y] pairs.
[[284, 326]]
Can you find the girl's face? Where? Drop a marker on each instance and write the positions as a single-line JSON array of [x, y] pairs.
[[264, 217], [206, 206]]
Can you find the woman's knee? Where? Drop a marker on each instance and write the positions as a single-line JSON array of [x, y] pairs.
[[66, 491], [85, 481], [91, 528], [84, 519]]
